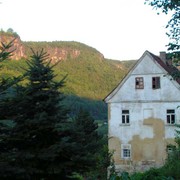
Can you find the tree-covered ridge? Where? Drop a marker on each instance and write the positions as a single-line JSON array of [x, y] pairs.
[[58, 50], [70, 45], [85, 78], [87, 82], [90, 77]]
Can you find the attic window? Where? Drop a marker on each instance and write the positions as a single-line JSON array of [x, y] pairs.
[[139, 83], [155, 82]]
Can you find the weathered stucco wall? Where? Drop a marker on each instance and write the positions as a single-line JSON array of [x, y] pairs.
[[148, 137], [148, 132], [168, 91]]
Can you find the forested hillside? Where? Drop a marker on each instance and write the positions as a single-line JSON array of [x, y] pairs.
[[90, 77]]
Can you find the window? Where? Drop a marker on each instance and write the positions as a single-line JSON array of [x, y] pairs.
[[155, 82], [125, 151], [170, 116], [125, 116], [170, 149], [139, 83]]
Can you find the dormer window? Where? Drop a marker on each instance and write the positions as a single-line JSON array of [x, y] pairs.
[[155, 82], [139, 83]]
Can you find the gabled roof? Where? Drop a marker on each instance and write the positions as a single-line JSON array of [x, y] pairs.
[[167, 67]]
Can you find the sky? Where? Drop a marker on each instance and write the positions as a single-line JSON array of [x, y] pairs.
[[119, 29]]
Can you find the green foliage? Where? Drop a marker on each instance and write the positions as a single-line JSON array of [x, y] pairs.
[[32, 148], [5, 88], [90, 77], [6, 80], [152, 174], [170, 170], [40, 142], [5, 53], [155, 174], [137, 176], [90, 157], [175, 57], [172, 165], [86, 141], [103, 160], [89, 74], [76, 176], [173, 24], [9, 32], [177, 139], [102, 127], [96, 108]]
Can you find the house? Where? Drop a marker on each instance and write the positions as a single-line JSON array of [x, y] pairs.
[[142, 113]]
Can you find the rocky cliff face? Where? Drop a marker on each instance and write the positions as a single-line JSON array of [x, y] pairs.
[[57, 50], [58, 54], [18, 46]]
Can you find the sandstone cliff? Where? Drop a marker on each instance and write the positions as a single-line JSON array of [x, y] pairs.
[[18, 46], [57, 50]]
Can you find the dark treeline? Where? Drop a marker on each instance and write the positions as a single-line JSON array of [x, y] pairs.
[[39, 137]]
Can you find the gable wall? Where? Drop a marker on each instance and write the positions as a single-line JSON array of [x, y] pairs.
[[147, 69]]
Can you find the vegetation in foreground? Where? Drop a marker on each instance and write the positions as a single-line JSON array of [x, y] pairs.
[[42, 141]]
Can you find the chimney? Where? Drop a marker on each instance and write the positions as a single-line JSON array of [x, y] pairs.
[[162, 55]]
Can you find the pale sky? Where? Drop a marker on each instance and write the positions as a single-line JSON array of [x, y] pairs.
[[119, 29]]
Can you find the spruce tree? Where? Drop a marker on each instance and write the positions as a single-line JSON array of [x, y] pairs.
[[33, 147], [5, 52], [86, 143]]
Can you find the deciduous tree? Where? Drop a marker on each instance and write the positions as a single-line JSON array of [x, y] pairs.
[[173, 26]]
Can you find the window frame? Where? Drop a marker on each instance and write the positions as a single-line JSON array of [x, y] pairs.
[[156, 82], [139, 83], [170, 116], [125, 117], [125, 151], [170, 149]]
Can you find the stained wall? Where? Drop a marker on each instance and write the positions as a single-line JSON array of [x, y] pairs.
[[148, 133]]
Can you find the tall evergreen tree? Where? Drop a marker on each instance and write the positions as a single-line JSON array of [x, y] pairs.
[[32, 149], [86, 143], [6, 50]]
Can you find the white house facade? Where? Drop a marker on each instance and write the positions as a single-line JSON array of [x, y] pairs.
[[142, 113]]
